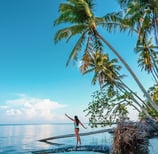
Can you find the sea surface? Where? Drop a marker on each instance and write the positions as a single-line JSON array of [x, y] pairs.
[[23, 139]]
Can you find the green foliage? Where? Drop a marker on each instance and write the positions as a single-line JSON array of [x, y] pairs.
[[108, 106], [153, 91], [148, 55], [110, 103], [141, 16]]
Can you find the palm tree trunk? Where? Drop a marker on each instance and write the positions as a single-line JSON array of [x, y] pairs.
[[153, 104], [135, 101], [125, 89], [134, 94], [154, 74]]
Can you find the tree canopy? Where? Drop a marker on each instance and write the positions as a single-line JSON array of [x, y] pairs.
[[115, 95]]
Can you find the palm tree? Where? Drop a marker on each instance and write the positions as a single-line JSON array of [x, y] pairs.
[[79, 14], [142, 15], [153, 91], [105, 70], [107, 73], [148, 58]]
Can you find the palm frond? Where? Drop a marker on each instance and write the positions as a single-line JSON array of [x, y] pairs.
[[77, 48], [72, 12], [112, 21], [68, 32]]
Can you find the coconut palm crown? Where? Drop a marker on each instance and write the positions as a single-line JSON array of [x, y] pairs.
[[142, 15], [81, 21]]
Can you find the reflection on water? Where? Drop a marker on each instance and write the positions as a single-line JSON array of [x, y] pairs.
[[23, 137], [19, 139]]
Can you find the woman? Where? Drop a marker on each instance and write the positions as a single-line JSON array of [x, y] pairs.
[[76, 127]]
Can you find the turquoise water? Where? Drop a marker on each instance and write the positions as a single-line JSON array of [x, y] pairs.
[[22, 139]]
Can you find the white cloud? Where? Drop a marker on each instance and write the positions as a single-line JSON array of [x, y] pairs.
[[29, 109], [12, 112], [3, 107]]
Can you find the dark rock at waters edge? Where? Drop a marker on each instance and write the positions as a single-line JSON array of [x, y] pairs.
[[95, 148], [128, 139], [148, 126], [132, 137]]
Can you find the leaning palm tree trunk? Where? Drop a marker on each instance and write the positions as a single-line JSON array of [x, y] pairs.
[[154, 74], [129, 69], [125, 89]]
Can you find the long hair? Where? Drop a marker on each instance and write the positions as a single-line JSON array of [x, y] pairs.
[[76, 120]]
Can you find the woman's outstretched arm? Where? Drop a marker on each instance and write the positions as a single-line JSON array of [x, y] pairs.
[[83, 125], [69, 117]]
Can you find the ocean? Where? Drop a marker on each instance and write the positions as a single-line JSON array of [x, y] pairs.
[[24, 139]]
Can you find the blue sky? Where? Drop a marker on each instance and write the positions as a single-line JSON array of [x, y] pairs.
[[35, 84]]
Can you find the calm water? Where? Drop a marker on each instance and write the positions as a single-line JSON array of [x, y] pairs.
[[22, 139]]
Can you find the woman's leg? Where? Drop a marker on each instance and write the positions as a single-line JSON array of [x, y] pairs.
[[78, 139]]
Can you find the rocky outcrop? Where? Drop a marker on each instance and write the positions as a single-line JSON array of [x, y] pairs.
[[132, 137], [148, 126]]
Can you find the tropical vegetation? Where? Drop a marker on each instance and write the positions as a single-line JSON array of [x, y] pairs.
[[112, 100]]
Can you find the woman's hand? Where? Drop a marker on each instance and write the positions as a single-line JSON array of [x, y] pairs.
[[66, 115], [69, 117]]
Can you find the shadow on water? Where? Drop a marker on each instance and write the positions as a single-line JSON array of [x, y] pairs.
[[85, 148]]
